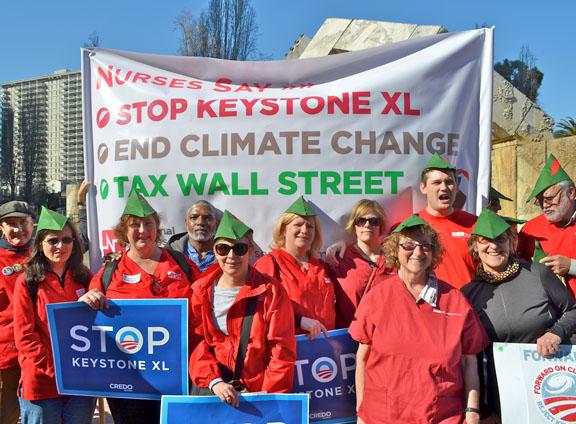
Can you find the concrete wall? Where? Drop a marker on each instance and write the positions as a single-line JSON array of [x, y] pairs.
[[516, 166]]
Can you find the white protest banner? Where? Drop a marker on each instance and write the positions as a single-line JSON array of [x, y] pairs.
[[535, 389], [252, 136]]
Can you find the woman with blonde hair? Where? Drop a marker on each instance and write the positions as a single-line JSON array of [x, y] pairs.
[[362, 265], [297, 238]]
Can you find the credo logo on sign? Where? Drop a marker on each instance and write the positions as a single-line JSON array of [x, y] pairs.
[[555, 393]]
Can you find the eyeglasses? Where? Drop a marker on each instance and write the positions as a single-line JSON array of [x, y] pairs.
[[373, 221], [548, 200], [239, 249], [502, 238], [410, 246], [53, 241]]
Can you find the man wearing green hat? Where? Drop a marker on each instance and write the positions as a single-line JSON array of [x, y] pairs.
[[440, 186], [555, 228], [17, 225], [494, 197]]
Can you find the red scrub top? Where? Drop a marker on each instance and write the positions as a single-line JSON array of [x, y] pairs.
[[554, 240], [11, 266], [132, 282], [413, 373], [353, 277], [457, 267], [310, 290]]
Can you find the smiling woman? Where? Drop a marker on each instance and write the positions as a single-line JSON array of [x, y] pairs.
[[517, 301], [418, 339], [297, 238], [54, 274]]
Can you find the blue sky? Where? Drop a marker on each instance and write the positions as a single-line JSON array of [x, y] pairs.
[[39, 37]]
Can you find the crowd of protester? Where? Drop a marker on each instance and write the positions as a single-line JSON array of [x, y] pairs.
[[424, 298]]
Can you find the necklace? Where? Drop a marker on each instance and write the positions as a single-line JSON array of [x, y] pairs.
[[510, 272]]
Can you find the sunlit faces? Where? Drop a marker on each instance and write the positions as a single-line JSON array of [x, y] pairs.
[[233, 256], [201, 223], [367, 227], [57, 245], [494, 254], [142, 232], [557, 203], [415, 253], [17, 230], [440, 189], [299, 234]]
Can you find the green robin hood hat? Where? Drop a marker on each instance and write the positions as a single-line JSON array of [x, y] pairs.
[[231, 227], [494, 194], [511, 220], [436, 162], [489, 225], [411, 221], [50, 220], [301, 207], [551, 174], [138, 206]]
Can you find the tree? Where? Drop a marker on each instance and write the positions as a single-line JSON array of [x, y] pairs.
[[522, 73], [566, 127], [32, 124], [227, 29]]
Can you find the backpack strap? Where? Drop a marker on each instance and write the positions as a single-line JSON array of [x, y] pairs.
[[106, 277], [180, 259], [244, 336]]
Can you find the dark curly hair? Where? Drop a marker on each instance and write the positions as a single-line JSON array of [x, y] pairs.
[[37, 265]]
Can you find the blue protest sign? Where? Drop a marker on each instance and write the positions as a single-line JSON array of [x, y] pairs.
[[134, 349], [254, 409], [325, 370]]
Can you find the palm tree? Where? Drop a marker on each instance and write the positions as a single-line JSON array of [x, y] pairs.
[[566, 127]]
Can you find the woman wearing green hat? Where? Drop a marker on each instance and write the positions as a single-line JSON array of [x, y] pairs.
[[297, 239], [239, 306], [54, 273], [517, 301], [144, 271], [416, 362]]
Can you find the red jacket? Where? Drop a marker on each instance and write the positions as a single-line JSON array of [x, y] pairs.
[[32, 335], [11, 266], [129, 281], [271, 351], [354, 276], [311, 291]]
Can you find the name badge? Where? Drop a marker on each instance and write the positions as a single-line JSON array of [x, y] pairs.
[[131, 279]]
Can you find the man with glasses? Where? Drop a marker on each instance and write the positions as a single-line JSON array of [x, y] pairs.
[[17, 224], [551, 236], [198, 242], [439, 184]]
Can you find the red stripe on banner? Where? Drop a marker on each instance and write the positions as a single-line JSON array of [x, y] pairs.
[[559, 399]]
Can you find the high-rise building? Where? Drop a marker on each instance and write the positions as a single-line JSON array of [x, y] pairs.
[[41, 133]]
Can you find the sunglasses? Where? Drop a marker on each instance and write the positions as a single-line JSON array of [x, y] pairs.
[[374, 221], [239, 249], [53, 241], [410, 246]]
